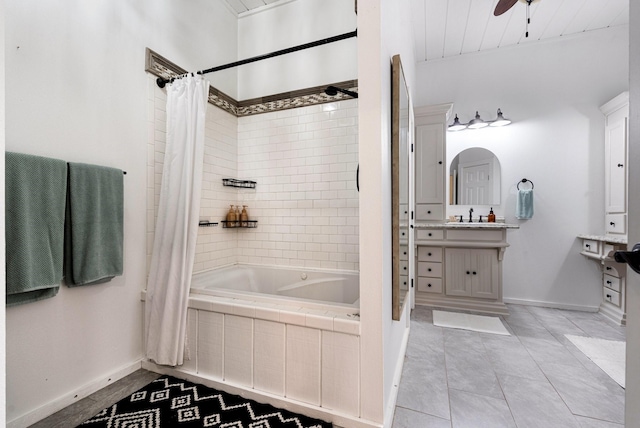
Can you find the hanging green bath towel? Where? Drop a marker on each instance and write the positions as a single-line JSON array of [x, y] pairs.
[[35, 193], [94, 226]]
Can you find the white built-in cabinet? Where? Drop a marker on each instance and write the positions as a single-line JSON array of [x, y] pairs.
[[602, 247], [457, 266], [616, 114], [429, 160]]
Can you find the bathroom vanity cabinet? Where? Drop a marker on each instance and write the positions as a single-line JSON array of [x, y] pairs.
[[600, 248], [459, 265]]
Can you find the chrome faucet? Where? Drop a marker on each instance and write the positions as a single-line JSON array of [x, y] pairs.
[[470, 213]]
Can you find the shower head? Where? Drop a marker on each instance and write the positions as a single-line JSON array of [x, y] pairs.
[[333, 91]]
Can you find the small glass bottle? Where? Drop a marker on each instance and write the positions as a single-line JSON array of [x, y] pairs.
[[492, 217]]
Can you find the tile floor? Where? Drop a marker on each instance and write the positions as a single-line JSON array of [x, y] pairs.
[[535, 378], [459, 379]]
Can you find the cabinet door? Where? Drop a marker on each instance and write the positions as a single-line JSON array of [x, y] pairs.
[[471, 273], [484, 273], [429, 164], [457, 272], [616, 166]]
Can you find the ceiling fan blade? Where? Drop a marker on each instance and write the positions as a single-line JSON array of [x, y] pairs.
[[503, 6]]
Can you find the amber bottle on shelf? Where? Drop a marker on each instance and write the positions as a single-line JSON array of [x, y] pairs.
[[244, 216], [232, 218], [492, 217]]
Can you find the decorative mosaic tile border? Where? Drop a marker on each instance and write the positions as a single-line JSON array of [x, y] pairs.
[[161, 67]]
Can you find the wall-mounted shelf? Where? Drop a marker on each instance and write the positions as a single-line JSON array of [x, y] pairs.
[[207, 224], [232, 182], [246, 224]]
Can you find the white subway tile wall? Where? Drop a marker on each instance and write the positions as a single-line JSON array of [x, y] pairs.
[[304, 161]]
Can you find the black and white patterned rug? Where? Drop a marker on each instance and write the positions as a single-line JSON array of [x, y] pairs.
[[170, 402]]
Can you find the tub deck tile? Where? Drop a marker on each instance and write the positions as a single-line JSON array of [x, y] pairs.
[[345, 324]]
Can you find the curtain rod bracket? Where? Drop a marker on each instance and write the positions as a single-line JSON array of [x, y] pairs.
[[161, 82]]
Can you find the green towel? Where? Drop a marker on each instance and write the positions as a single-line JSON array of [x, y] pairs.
[[35, 192], [94, 225]]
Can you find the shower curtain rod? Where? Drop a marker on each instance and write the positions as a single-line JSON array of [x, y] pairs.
[[161, 82]]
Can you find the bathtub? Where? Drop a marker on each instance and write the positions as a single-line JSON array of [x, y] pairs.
[[326, 290]]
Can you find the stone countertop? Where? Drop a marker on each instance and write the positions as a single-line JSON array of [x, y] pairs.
[[452, 225], [604, 238]]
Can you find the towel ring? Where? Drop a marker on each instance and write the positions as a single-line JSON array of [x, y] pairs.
[[524, 180]]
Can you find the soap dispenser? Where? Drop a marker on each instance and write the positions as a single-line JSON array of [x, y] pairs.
[[492, 217], [244, 217], [231, 217]]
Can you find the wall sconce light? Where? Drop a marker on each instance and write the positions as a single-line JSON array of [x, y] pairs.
[[477, 122]]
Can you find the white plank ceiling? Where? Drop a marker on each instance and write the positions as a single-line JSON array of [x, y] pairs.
[[446, 28]]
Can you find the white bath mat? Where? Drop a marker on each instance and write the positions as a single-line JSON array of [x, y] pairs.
[[480, 323], [609, 355]]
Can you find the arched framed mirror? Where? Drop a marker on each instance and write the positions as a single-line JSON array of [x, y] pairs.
[[474, 178]]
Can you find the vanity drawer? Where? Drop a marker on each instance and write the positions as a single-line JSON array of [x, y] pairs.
[[429, 254], [404, 283], [430, 269], [611, 270], [590, 246], [615, 223], [611, 296], [429, 212], [429, 234], [404, 267], [611, 281], [404, 252], [474, 235], [430, 285]]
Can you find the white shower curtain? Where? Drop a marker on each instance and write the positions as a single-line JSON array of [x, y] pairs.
[[177, 224]]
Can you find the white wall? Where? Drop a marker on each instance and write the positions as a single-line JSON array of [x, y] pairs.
[[76, 90], [552, 91], [289, 25], [3, 379], [383, 31]]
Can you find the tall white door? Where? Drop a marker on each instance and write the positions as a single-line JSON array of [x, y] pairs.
[[474, 185]]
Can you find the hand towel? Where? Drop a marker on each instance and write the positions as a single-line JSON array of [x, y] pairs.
[[35, 194], [94, 225], [524, 204]]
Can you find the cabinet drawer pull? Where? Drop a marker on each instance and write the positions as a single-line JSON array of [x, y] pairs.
[[468, 272], [430, 234], [405, 253], [429, 254], [429, 285], [587, 245], [474, 272], [429, 270], [620, 165], [609, 282], [439, 162], [428, 212], [608, 296], [405, 268], [612, 223], [608, 268]]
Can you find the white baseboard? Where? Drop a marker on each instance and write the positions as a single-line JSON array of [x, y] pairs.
[[397, 376], [72, 397], [338, 419], [553, 305]]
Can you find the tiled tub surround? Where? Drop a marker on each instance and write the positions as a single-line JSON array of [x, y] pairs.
[[304, 161], [306, 201]]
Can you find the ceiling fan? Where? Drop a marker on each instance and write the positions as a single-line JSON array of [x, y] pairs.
[[505, 5]]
